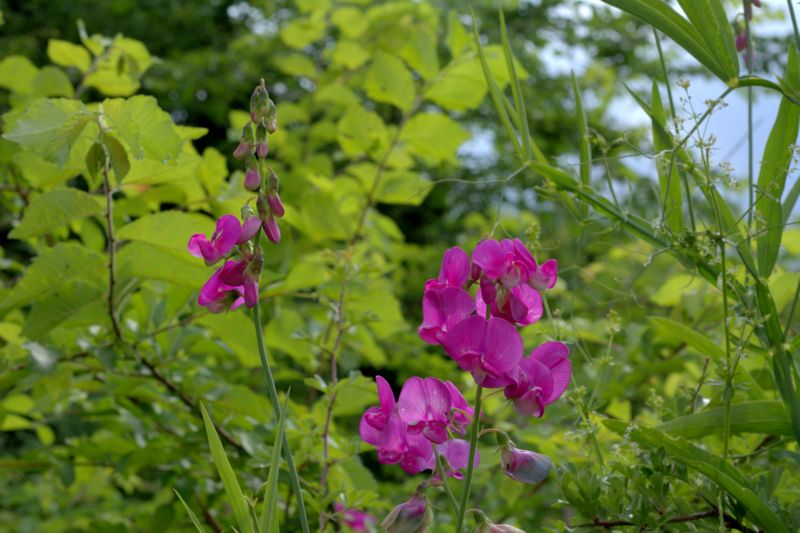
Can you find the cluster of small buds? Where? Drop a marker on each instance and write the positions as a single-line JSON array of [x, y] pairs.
[[236, 281], [253, 148]]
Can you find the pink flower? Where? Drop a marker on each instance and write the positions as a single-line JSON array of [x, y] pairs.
[[455, 268], [225, 237], [377, 417], [442, 308], [540, 379], [218, 294], [412, 516], [462, 412], [523, 465], [424, 405], [250, 227], [489, 349], [396, 445], [521, 305], [456, 451], [507, 262], [546, 275], [355, 519]]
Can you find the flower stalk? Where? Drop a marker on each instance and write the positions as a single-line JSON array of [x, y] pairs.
[[473, 444]]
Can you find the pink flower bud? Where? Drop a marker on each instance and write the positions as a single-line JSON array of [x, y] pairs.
[[271, 118], [242, 150], [262, 145], [412, 516], [741, 40], [250, 227], [252, 179], [523, 465], [275, 204], [756, 3], [271, 229]]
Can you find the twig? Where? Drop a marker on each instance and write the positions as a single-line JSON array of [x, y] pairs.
[[711, 513], [112, 247]]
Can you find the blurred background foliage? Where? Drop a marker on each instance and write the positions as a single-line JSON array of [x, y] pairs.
[[96, 437]]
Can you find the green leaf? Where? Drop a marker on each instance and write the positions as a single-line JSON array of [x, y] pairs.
[[146, 129], [268, 514], [388, 80], [435, 137], [17, 74], [764, 417], [51, 81], [295, 64], [53, 267], [301, 32], [419, 52], [118, 157], [457, 36], [583, 130], [55, 208], [402, 187], [145, 260], [775, 164], [170, 230], [67, 54], [680, 333], [197, 525], [712, 25], [236, 331], [65, 303], [359, 130], [713, 467], [226, 474], [668, 178], [50, 127], [658, 14]]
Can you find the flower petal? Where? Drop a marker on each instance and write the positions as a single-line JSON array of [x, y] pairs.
[[490, 257], [455, 269], [502, 345], [555, 356]]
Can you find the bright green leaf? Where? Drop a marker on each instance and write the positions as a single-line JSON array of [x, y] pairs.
[[388, 80], [434, 136], [55, 208], [67, 54]]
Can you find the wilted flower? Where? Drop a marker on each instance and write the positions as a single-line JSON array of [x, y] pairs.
[[225, 237], [412, 516]]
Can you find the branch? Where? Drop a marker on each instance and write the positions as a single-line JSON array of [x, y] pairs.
[[112, 248], [730, 521]]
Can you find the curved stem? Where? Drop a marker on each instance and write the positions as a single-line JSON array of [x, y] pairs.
[[473, 443], [272, 391]]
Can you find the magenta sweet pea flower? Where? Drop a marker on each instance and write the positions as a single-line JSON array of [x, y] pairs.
[[424, 405], [218, 294], [396, 445], [456, 451], [377, 417], [523, 465], [275, 204], [540, 379], [442, 308], [462, 412], [489, 349], [225, 237], [250, 227], [521, 305], [455, 270], [507, 262], [546, 275]]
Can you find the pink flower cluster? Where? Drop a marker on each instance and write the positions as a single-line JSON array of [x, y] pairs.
[[480, 333], [407, 430], [236, 281]]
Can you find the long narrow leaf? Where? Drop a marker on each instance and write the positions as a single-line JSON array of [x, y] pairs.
[[713, 467], [668, 178], [766, 417], [698, 341], [516, 91], [711, 22], [583, 131], [268, 514], [197, 525], [227, 475]]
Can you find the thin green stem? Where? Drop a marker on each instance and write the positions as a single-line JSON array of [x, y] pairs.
[[473, 443], [272, 392], [794, 24], [792, 309], [443, 475], [750, 183]]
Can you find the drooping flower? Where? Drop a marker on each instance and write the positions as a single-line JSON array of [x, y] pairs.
[[412, 516], [250, 226], [741, 40], [218, 294], [442, 308], [356, 519], [271, 229], [540, 379], [275, 204], [424, 405], [224, 238], [262, 144], [489, 349], [523, 465]]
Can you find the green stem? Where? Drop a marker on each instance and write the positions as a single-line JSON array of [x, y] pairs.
[[473, 443], [442, 474], [749, 63], [272, 391], [794, 24]]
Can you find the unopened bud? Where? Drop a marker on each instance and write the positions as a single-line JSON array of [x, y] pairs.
[[271, 117], [262, 144], [271, 229], [246, 143], [275, 204], [252, 177], [523, 465], [741, 40], [412, 516]]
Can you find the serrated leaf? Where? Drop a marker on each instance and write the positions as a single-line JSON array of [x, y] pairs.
[[55, 208], [388, 80], [765, 417], [67, 54], [117, 156], [146, 129], [435, 137], [715, 468], [226, 474], [50, 127], [359, 130], [67, 301]]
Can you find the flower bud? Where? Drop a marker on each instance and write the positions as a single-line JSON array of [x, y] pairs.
[[252, 176], [523, 465], [271, 229], [250, 226], [412, 516], [250, 278], [741, 40], [246, 143], [275, 204], [259, 102], [271, 118], [262, 144]]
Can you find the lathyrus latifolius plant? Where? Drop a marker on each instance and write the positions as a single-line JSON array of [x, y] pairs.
[[420, 430]]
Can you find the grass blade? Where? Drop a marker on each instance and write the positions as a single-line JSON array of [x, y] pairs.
[[229, 481], [673, 330], [583, 130], [516, 91], [197, 525], [268, 514], [766, 417]]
